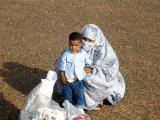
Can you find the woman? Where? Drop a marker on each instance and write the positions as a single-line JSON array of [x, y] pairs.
[[105, 82]]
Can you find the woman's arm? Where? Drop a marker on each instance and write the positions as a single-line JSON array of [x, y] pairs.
[[108, 63]]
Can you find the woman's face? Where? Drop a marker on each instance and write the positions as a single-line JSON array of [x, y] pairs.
[[88, 44], [87, 39]]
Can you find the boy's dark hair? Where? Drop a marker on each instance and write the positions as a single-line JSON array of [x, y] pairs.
[[75, 36]]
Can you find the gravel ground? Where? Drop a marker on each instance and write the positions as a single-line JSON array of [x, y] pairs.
[[33, 32]]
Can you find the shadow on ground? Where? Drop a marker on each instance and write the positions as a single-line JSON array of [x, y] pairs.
[[7, 110], [21, 77]]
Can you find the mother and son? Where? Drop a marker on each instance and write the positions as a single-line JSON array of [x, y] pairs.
[[88, 70]]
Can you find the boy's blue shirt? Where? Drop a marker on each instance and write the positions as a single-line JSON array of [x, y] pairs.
[[74, 62]]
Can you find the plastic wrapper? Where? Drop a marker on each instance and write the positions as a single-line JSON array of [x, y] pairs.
[[73, 113], [79, 117], [52, 111], [48, 111]]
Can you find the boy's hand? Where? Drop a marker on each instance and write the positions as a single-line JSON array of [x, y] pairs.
[[64, 81], [88, 69], [63, 77]]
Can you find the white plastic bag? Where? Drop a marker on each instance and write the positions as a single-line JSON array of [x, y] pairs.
[[43, 90], [49, 111], [52, 111], [40, 106]]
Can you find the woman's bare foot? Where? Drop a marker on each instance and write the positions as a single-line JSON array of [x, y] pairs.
[[99, 107]]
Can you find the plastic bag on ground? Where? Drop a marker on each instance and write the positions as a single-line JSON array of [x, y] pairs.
[[40, 106], [73, 113], [49, 111], [44, 88]]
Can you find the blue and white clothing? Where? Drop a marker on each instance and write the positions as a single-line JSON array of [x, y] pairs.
[[106, 81], [73, 64]]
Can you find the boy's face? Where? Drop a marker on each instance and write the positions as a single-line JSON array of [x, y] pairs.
[[75, 45]]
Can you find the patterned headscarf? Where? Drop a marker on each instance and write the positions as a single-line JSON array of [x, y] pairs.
[[94, 33]]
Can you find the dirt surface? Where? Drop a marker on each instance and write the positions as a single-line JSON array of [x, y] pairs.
[[33, 32]]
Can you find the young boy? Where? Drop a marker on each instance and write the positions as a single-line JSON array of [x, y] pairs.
[[73, 61]]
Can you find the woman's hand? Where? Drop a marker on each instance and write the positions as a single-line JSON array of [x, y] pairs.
[[88, 69]]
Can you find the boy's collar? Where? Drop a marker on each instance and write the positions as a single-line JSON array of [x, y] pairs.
[[76, 52]]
